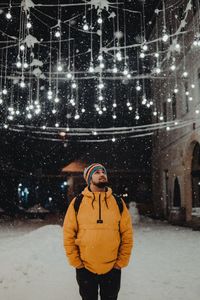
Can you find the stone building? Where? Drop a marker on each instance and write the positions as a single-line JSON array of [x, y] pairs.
[[176, 94]]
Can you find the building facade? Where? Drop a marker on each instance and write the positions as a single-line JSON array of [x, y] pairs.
[[176, 94]]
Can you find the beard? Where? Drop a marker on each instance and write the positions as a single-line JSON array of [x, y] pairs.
[[101, 184]]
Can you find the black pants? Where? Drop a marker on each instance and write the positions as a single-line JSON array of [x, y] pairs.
[[89, 283]]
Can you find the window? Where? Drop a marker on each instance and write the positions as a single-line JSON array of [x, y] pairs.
[[186, 97], [165, 111], [177, 194], [174, 113]]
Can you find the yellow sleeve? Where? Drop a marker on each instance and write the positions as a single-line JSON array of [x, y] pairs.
[[126, 232], [70, 228]]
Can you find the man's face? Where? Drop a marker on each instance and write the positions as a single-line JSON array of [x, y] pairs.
[[99, 178]]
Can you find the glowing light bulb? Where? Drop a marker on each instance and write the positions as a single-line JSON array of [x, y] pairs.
[[169, 100], [165, 37], [100, 21], [5, 92], [91, 68], [192, 86], [1, 100], [130, 108], [156, 54], [137, 117], [101, 85], [113, 139], [53, 111], [101, 65], [114, 70], [25, 65], [161, 118], [59, 67], [83, 110], [29, 116], [138, 87], [158, 70], [56, 100], [22, 84], [145, 47], [22, 47], [28, 25], [155, 113], [119, 56], [100, 112], [177, 46], [100, 57], [167, 128], [175, 90], [74, 85], [128, 76], [86, 27], [185, 74], [114, 116], [114, 105], [69, 75], [197, 111], [142, 55], [57, 125], [125, 72], [18, 64], [76, 117], [128, 103], [190, 98], [57, 33], [104, 108], [100, 98], [173, 67], [8, 15]]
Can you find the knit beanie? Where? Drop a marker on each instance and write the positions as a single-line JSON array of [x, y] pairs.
[[89, 171]]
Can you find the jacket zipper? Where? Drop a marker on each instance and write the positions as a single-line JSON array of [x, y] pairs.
[[100, 221]]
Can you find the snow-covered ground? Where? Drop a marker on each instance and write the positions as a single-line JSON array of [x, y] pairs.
[[165, 264]]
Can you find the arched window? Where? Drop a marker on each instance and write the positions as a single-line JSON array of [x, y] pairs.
[[196, 176], [177, 194]]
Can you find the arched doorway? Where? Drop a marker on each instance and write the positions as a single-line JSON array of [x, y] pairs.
[[177, 194], [196, 176]]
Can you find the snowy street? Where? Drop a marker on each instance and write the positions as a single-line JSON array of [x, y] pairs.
[[165, 264]]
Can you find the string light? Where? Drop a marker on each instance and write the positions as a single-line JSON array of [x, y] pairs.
[[83, 110], [185, 74], [142, 55], [76, 117], [8, 15], [5, 92], [113, 139], [69, 75], [22, 84], [22, 47], [138, 87], [156, 54], [91, 68], [57, 33], [18, 64], [192, 85], [28, 25], [114, 116], [1, 101], [56, 100], [25, 65], [99, 20], [169, 100], [59, 67], [119, 56], [114, 70]]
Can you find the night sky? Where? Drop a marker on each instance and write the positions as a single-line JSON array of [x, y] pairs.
[[28, 151]]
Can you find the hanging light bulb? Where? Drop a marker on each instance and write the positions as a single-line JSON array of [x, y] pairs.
[[91, 68], [57, 33], [100, 112], [59, 67], [22, 84], [83, 110], [8, 15], [56, 100], [25, 65], [119, 56], [161, 118], [74, 85], [142, 55], [175, 90], [5, 92], [173, 67], [114, 116], [28, 25], [185, 74], [144, 99], [192, 85], [130, 108], [114, 104], [69, 75], [54, 111], [190, 98], [169, 100], [114, 70], [29, 115], [18, 64], [125, 72], [85, 26], [137, 117], [113, 139], [76, 117], [101, 85], [138, 87], [22, 47], [1, 101], [158, 70], [156, 54], [128, 103], [99, 20], [100, 57], [57, 125], [165, 36], [177, 46], [100, 98], [144, 47], [101, 65], [155, 113]]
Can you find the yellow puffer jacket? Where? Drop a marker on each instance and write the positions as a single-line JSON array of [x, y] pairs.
[[98, 246]]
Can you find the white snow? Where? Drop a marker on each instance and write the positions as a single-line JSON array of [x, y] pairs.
[[165, 264]]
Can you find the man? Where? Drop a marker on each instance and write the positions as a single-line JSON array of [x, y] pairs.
[[98, 238]]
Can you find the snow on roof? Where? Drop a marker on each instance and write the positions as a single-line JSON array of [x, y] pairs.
[[37, 208]]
